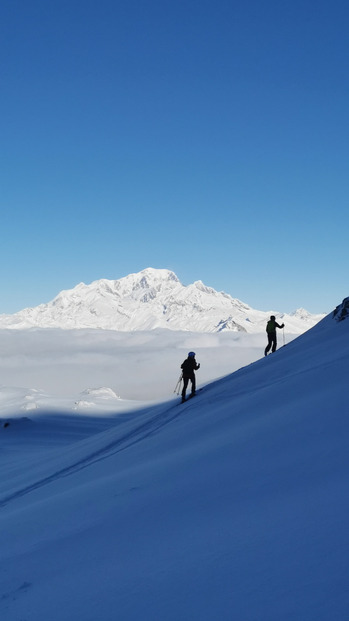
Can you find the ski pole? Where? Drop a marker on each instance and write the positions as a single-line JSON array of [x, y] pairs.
[[178, 385], [283, 331]]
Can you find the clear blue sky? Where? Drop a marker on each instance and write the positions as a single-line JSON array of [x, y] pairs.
[[207, 137]]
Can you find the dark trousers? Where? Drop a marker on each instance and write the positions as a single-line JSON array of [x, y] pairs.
[[271, 343], [186, 379]]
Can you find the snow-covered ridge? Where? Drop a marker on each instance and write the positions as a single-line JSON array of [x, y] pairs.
[[342, 310], [150, 299]]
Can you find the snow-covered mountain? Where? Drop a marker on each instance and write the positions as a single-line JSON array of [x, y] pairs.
[[152, 298], [232, 506]]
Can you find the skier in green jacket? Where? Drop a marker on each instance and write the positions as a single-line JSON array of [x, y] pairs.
[[271, 332]]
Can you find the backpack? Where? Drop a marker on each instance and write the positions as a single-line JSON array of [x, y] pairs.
[[271, 326]]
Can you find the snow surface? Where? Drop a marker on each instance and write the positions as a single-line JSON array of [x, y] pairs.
[[231, 506], [148, 300]]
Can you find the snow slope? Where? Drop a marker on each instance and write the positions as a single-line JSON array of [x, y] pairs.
[[152, 298], [232, 506]]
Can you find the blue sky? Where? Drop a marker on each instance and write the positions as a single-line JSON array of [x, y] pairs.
[[210, 138]]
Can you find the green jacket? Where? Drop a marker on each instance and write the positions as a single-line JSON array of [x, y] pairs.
[[272, 325]]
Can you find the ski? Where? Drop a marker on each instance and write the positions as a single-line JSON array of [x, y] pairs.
[[190, 396]]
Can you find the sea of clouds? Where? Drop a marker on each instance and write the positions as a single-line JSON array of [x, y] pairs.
[[141, 366]]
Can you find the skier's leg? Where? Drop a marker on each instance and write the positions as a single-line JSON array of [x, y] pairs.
[[193, 384], [270, 342], [185, 384]]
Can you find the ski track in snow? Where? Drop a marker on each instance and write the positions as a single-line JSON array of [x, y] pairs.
[[136, 435]]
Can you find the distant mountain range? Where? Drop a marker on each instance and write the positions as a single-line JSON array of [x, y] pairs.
[[150, 299]]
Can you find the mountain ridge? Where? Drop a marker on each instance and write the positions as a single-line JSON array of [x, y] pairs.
[[150, 299]]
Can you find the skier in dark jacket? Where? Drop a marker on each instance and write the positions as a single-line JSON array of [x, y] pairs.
[[271, 332], [188, 367]]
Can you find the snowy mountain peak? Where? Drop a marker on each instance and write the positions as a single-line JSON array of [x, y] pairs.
[[148, 278], [200, 285], [152, 298], [301, 313]]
